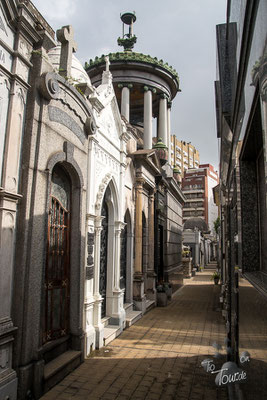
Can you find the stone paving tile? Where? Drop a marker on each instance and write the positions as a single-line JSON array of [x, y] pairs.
[[159, 357]]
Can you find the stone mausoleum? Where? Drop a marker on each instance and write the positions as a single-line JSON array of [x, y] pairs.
[[90, 210], [144, 88]]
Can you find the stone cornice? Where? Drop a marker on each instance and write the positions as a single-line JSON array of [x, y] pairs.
[[134, 57], [9, 195]]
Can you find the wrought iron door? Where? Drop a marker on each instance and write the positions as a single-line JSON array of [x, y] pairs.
[[123, 260], [103, 257], [57, 276]]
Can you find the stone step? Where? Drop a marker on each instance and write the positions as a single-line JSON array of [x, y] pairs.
[[132, 317], [105, 321], [149, 305], [57, 369], [128, 307], [110, 333]]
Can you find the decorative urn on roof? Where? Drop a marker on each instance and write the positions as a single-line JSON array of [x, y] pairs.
[[177, 174], [161, 151]]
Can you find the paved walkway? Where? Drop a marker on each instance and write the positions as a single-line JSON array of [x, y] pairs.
[[253, 338], [160, 356]]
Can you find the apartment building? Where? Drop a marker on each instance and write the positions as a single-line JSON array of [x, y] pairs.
[[184, 155], [197, 185]]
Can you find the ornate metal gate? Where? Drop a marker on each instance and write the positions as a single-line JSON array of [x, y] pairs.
[[103, 257], [123, 260], [57, 276]]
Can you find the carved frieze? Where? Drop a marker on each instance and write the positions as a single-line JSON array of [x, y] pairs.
[[106, 159]]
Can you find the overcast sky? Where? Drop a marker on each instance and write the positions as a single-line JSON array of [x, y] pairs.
[[181, 32]]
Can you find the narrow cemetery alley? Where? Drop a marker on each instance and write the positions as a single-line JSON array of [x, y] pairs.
[[160, 356]]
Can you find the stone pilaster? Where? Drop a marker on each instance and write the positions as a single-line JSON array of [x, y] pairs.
[[89, 285], [14, 77], [8, 380], [162, 125]]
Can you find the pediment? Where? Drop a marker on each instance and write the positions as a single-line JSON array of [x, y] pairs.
[[109, 118]]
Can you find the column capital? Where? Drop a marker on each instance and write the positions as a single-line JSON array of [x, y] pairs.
[[147, 88], [98, 223], [152, 193], [125, 85], [139, 181], [119, 226], [91, 217], [163, 96]]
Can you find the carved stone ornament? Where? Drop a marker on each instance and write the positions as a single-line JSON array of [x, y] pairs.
[[90, 125], [101, 190], [48, 86]]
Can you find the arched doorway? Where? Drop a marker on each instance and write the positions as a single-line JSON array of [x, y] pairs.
[[57, 272], [104, 255]]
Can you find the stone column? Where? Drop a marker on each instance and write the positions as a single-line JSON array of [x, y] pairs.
[[125, 102], [125, 99], [118, 227], [169, 130], [162, 125], [151, 229], [98, 230], [118, 312], [147, 118], [138, 227], [138, 282], [98, 299]]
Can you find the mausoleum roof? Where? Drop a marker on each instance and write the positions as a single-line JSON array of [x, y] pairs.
[[129, 56], [196, 223], [78, 73]]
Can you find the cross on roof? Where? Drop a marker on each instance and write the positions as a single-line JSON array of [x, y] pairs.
[[65, 36]]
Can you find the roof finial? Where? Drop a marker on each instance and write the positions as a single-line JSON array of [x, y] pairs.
[[128, 40], [107, 63]]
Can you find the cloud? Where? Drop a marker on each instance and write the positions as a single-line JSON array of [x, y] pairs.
[[60, 10]]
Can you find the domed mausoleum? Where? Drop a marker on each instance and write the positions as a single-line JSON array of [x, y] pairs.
[[144, 85]]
